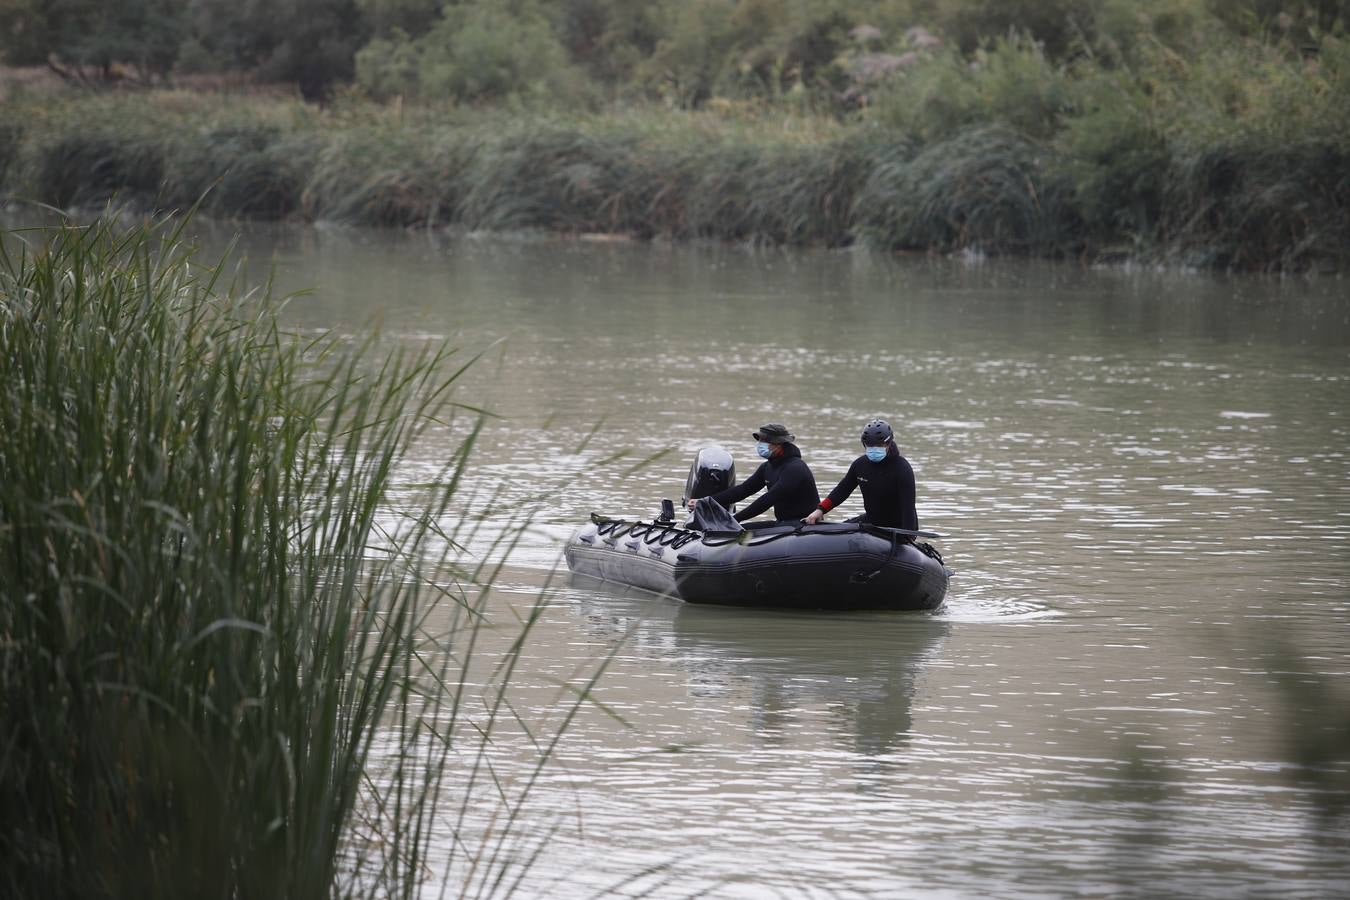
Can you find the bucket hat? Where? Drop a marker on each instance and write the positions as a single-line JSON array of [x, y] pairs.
[[773, 433]]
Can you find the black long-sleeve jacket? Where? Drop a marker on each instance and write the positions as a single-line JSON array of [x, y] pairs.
[[791, 488], [887, 489]]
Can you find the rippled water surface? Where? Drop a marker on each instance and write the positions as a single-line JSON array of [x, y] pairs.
[[1143, 481]]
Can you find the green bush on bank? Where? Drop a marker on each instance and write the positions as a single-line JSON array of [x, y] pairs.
[[572, 53], [477, 51], [1117, 157], [1011, 82]]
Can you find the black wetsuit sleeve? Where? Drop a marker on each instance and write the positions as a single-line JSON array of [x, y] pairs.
[[906, 491], [790, 481], [737, 493], [846, 486]]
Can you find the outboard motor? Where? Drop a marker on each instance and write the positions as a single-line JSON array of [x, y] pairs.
[[713, 470]]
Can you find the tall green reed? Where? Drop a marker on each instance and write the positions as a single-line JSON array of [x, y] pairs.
[[90, 167], [217, 672], [247, 171], [1234, 161], [989, 189], [11, 139]]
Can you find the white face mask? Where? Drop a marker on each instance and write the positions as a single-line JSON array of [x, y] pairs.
[[763, 449], [876, 454]]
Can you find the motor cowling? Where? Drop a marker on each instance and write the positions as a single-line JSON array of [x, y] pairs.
[[713, 470]]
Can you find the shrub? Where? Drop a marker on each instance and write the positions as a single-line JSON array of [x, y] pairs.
[[378, 175], [389, 67], [776, 193], [1118, 158], [556, 178], [689, 60], [240, 170], [1056, 25], [1222, 90], [478, 52], [1256, 206], [1122, 27], [1303, 20], [1012, 83], [988, 188], [89, 166]]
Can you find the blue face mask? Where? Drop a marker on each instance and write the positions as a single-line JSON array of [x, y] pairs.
[[764, 449], [876, 454]]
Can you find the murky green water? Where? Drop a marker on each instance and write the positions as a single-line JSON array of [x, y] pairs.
[[1144, 481]]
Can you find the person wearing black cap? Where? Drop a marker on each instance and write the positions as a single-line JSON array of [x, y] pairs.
[[886, 479], [791, 486]]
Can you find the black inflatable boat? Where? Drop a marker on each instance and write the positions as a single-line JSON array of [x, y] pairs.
[[789, 565], [798, 566]]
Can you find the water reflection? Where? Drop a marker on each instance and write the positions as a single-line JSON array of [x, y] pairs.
[[858, 672], [860, 669]]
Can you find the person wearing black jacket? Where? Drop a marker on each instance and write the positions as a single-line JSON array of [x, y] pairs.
[[886, 479], [791, 486]]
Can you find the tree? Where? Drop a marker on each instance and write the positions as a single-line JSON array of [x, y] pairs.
[[25, 32], [609, 38], [1302, 18], [479, 51], [700, 41], [312, 43], [412, 17], [79, 37], [1056, 24]]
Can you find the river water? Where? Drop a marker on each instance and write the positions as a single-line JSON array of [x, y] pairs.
[[1143, 483]]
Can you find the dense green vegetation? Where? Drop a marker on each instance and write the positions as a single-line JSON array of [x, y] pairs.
[[214, 595], [1206, 133], [685, 52]]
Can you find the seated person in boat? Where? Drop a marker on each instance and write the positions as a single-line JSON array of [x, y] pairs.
[[791, 486], [886, 479]]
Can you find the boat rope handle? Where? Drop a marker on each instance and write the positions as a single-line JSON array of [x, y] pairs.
[[668, 535], [648, 532], [929, 551]]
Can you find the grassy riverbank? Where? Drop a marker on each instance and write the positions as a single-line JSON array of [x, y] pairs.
[[214, 596], [1237, 156]]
